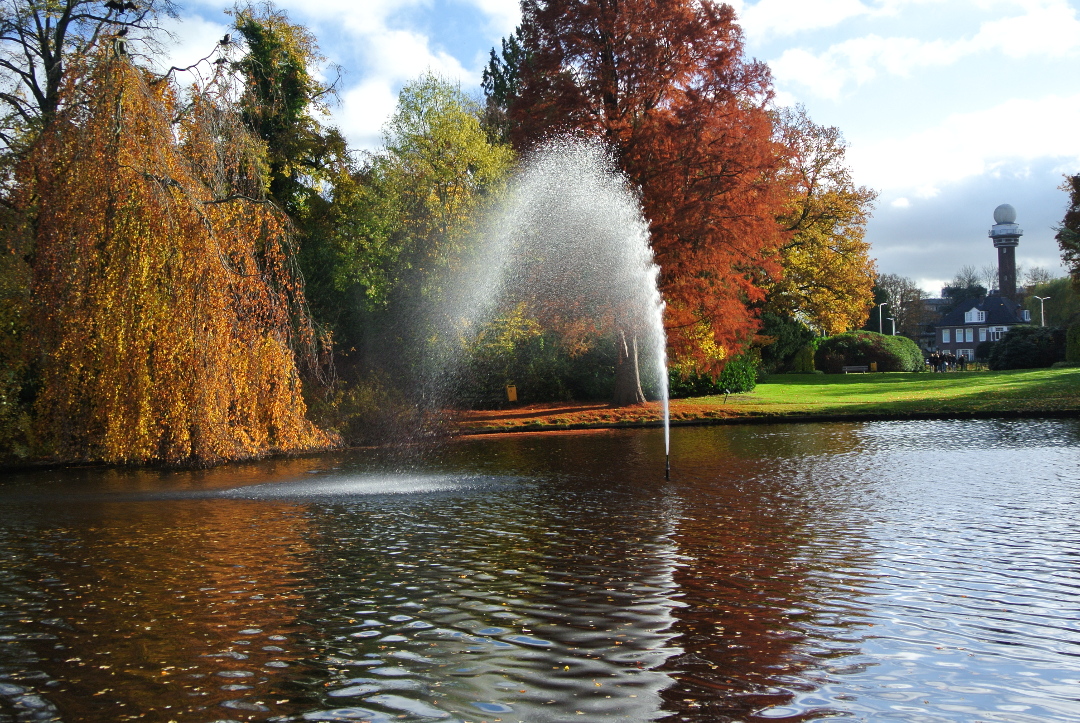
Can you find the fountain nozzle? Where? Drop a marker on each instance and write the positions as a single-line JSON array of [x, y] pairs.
[[667, 466]]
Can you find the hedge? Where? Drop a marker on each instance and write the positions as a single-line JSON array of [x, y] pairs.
[[863, 348]]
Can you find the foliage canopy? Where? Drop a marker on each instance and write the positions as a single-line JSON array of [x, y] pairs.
[[166, 309], [828, 276], [667, 87]]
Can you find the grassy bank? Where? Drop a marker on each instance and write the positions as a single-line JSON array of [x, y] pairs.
[[884, 395]]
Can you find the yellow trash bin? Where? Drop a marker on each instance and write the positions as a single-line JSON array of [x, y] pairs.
[[511, 393], [873, 366]]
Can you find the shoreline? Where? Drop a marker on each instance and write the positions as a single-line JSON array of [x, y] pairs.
[[781, 399], [751, 419]]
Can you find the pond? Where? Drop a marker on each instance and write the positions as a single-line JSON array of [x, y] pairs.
[[912, 571]]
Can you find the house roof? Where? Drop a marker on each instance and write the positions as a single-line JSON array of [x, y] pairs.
[[999, 311]]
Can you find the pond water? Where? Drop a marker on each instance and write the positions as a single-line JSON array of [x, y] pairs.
[[911, 571]]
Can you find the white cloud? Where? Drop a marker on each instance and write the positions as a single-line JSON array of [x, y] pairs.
[[901, 203], [1049, 28], [363, 111], [503, 15], [374, 41], [787, 17], [963, 145], [193, 38], [398, 55]]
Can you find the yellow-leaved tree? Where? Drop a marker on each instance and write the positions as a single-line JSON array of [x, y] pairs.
[[828, 276], [167, 315]]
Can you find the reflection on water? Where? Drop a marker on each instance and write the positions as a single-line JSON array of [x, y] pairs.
[[911, 571]]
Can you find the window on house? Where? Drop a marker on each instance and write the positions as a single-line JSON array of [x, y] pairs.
[[945, 336], [969, 335], [974, 316], [996, 332], [968, 354], [982, 333], [1027, 313]]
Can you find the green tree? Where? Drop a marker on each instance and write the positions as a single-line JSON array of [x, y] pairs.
[[862, 348], [441, 170], [1061, 305], [414, 214], [1028, 347], [500, 83], [309, 170], [786, 337], [280, 102]]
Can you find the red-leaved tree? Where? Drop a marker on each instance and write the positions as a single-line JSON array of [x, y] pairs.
[[666, 84]]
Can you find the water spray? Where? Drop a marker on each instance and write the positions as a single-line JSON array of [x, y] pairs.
[[569, 241]]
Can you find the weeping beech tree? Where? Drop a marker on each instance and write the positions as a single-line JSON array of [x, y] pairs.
[[168, 318]]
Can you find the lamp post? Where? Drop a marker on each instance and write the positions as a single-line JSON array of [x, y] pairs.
[[893, 324], [1042, 314], [880, 324]]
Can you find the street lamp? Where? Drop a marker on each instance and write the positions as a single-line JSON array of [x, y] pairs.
[[1042, 314], [893, 324], [880, 325]]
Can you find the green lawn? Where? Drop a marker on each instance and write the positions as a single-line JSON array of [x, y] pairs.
[[1026, 390]]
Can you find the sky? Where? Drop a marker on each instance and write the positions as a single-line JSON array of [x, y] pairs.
[[950, 107]]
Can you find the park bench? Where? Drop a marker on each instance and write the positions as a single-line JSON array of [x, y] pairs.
[[849, 369]]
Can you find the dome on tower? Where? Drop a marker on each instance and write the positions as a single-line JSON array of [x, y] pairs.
[[1004, 214]]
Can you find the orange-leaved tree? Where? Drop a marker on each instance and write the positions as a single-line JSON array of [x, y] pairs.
[[665, 83], [167, 314]]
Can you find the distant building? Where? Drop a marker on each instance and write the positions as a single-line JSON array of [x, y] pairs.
[[975, 320], [1006, 234]]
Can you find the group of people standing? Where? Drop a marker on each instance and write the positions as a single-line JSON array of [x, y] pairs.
[[943, 361]]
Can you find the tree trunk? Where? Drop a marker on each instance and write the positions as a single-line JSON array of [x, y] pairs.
[[627, 374]]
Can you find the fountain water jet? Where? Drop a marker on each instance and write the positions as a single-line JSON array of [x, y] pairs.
[[569, 245]]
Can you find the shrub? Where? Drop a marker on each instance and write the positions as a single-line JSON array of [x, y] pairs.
[[1028, 347], [543, 371], [803, 361], [789, 337], [984, 350], [1072, 344], [369, 410], [890, 353], [739, 375]]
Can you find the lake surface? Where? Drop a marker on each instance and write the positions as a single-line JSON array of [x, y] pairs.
[[908, 571]]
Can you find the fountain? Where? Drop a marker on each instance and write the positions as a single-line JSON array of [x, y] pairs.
[[569, 247]]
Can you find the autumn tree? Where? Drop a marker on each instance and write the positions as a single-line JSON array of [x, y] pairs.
[[905, 304], [40, 40], [15, 247], [666, 86], [988, 276], [1037, 275], [827, 275], [311, 174], [1068, 233], [168, 316]]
